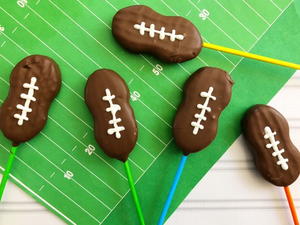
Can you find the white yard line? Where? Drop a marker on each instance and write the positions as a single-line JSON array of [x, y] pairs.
[[98, 18], [10, 63], [169, 7], [201, 60], [15, 29], [142, 67], [72, 90], [42, 187], [276, 5], [4, 81], [25, 17], [71, 112], [135, 2], [165, 122], [145, 150], [161, 141], [73, 179], [52, 175], [134, 163], [184, 69], [52, 185], [262, 35], [237, 20], [257, 13], [3, 43], [108, 2]]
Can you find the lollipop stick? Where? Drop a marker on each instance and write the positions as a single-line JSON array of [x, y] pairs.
[[291, 204], [7, 170], [172, 190], [134, 194], [251, 56]]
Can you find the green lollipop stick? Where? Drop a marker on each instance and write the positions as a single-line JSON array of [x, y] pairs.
[[7, 170], [134, 194]]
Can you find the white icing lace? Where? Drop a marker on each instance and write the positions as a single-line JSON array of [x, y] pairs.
[[274, 145], [162, 33], [201, 116], [28, 98], [113, 109]]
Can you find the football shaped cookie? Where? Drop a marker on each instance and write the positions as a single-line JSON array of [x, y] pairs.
[[34, 83], [142, 30], [206, 93], [275, 156], [115, 128]]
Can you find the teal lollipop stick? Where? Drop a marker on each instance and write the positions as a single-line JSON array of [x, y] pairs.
[[172, 190]]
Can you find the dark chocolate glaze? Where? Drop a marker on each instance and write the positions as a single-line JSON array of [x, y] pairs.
[[96, 86], [165, 49], [48, 81], [201, 81], [256, 119]]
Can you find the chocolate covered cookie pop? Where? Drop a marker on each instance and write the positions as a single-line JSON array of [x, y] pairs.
[[140, 29], [107, 97], [275, 156], [206, 93], [34, 83]]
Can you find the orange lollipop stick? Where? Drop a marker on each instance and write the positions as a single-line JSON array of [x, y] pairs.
[[291, 204]]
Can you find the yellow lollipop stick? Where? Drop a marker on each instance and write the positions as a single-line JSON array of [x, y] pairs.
[[251, 56]]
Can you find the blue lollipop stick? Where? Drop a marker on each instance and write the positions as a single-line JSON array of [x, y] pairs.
[[172, 190]]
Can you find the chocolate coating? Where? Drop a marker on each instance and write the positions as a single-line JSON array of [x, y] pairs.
[[199, 82], [125, 29], [273, 168], [44, 74], [117, 144]]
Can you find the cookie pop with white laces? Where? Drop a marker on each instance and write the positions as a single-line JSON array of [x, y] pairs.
[[34, 83], [173, 39], [115, 128], [207, 92], [275, 156]]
